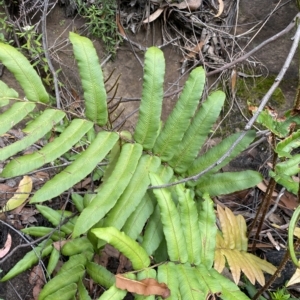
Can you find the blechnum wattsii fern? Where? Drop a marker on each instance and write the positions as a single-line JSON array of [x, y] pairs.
[[124, 210]]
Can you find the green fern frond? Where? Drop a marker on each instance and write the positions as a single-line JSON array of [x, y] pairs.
[[108, 194], [16, 113], [83, 165], [173, 231], [70, 136], [179, 119], [91, 79], [24, 72], [35, 131], [129, 247], [196, 134], [148, 123], [134, 192], [215, 153], [227, 183]]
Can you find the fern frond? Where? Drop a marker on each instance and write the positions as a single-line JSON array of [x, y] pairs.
[[134, 192], [129, 247], [230, 291], [6, 93], [153, 233], [177, 248], [208, 230], [167, 274], [79, 169], [62, 280], [137, 220], [16, 113], [227, 182], [189, 221], [91, 79], [108, 194], [71, 135], [179, 119], [35, 130], [215, 153], [196, 134], [24, 72], [100, 274], [190, 287], [148, 123]]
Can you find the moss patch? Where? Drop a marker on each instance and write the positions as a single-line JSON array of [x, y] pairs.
[[253, 90]]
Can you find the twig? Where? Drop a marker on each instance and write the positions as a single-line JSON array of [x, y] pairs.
[[45, 46], [263, 103], [245, 56]]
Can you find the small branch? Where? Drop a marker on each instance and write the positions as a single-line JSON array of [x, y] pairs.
[[249, 125], [245, 56], [45, 46]]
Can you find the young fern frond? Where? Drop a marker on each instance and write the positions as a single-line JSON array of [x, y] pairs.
[[195, 136], [179, 119], [148, 123], [91, 79], [24, 72]]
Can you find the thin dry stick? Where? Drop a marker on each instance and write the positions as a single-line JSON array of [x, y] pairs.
[[249, 125], [45, 46]]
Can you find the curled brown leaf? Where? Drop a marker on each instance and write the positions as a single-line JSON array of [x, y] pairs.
[[146, 287]]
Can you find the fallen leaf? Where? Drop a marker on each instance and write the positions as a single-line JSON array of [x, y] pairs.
[[120, 27], [295, 278], [144, 287], [154, 16], [221, 8], [36, 279], [194, 51], [6, 247], [21, 195], [233, 80], [58, 245]]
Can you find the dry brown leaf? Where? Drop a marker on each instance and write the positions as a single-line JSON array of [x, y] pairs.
[[59, 244], [36, 279], [194, 51], [233, 80], [154, 16], [221, 8], [6, 247], [120, 27], [21, 195], [233, 244], [144, 287], [295, 278]]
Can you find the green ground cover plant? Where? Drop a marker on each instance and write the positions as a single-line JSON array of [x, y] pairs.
[[174, 227]]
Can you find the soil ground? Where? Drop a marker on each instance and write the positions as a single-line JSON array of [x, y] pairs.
[[130, 82]]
